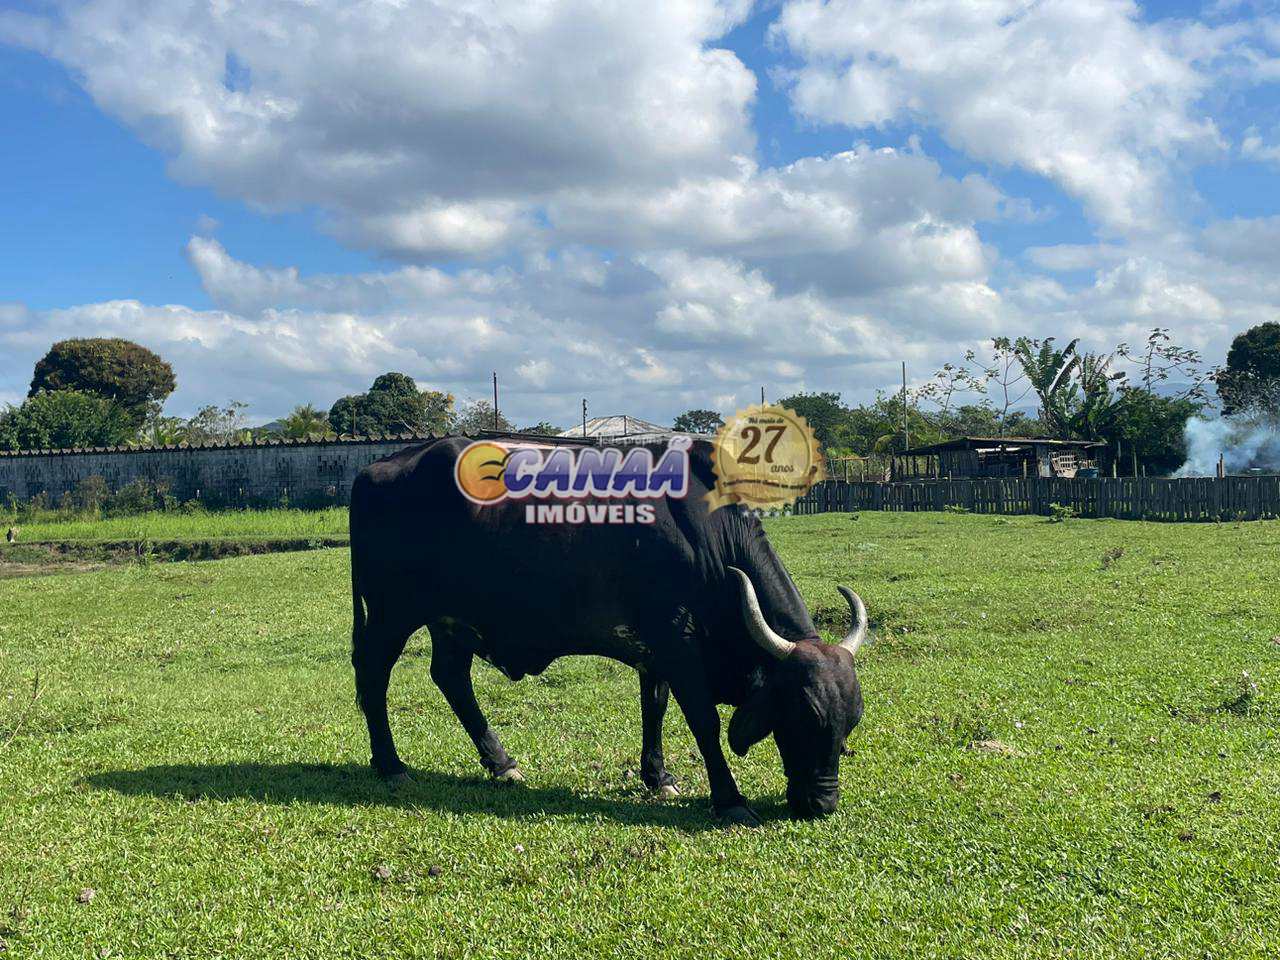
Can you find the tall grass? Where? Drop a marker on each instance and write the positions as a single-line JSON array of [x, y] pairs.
[[186, 525]]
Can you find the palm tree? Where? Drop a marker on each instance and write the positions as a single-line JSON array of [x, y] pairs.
[[305, 421]]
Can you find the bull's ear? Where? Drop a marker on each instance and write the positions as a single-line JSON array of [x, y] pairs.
[[751, 722]]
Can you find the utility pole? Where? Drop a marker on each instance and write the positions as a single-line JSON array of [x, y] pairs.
[[762, 396], [495, 400], [584, 418], [906, 429]]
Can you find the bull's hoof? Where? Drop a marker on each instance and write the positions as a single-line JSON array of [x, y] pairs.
[[510, 775], [668, 791], [740, 816]]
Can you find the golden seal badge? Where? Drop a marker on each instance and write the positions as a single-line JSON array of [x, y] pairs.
[[765, 456]]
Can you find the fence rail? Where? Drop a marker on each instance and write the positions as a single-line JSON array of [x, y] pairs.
[[1126, 498]]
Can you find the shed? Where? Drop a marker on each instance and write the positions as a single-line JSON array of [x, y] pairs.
[[967, 457]]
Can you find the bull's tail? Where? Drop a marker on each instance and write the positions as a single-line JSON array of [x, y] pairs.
[[358, 619], [359, 614]]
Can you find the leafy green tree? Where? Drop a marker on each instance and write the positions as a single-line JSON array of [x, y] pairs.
[[1152, 426], [824, 413], [1159, 361], [542, 428], [1251, 378], [214, 424], [60, 419], [392, 405], [949, 382], [304, 422], [345, 416], [160, 431], [477, 416], [136, 379], [698, 421], [1005, 379], [983, 420]]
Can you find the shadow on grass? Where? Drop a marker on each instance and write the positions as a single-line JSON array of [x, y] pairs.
[[355, 785]]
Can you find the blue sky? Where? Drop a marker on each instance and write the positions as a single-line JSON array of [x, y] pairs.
[[800, 194]]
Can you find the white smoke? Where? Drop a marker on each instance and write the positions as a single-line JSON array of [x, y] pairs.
[[1245, 441]]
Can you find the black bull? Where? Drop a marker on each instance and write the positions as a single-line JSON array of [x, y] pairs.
[[697, 602]]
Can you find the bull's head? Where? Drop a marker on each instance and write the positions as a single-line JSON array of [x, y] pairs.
[[810, 702]]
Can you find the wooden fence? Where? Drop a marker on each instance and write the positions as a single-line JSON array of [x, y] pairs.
[[1127, 498]]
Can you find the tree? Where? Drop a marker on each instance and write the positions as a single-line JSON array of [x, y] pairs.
[[305, 421], [983, 420], [214, 424], [1006, 380], [1152, 426], [477, 416], [160, 431], [60, 419], [1160, 359], [1048, 370], [698, 421], [824, 413], [345, 416], [542, 428], [1251, 378], [1074, 388], [946, 383], [132, 376], [392, 405]]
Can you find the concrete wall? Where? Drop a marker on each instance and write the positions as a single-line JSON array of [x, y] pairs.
[[266, 473]]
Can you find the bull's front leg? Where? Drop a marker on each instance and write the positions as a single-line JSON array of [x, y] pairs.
[[653, 708], [451, 670], [689, 685]]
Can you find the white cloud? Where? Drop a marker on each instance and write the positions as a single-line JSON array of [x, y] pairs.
[[1245, 241], [1253, 147], [422, 128], [1066, 257], [1080, 91], [594, 162]]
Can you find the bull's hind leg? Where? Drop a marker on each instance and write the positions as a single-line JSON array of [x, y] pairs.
[[653, 708], [376, 647], [451, 670]]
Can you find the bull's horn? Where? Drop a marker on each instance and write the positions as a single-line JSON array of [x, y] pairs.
[[761, 632], [858, 628]]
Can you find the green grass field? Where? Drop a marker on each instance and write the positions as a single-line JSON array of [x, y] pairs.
[[1070, 749], [179, 525]]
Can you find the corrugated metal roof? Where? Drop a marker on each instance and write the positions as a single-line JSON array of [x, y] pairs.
[[620, 425]]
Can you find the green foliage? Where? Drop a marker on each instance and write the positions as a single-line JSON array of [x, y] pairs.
[[214, 424], [1092, 776], [477, 417], [542, 428], [698, 421], [119, 370], [90, 494], [1251, 378], [189, 521], [1152, 425], [393, 405], [824, 413], [1159, 360], [305, 422], [62, 419], [1061, 512]]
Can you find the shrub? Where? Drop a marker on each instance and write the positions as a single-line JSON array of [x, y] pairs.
[[1058, 513]]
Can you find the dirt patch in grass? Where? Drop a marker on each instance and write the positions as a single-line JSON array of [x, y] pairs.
[[73, 556]]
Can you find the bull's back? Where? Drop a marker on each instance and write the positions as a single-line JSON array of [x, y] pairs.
[[422, 549]]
